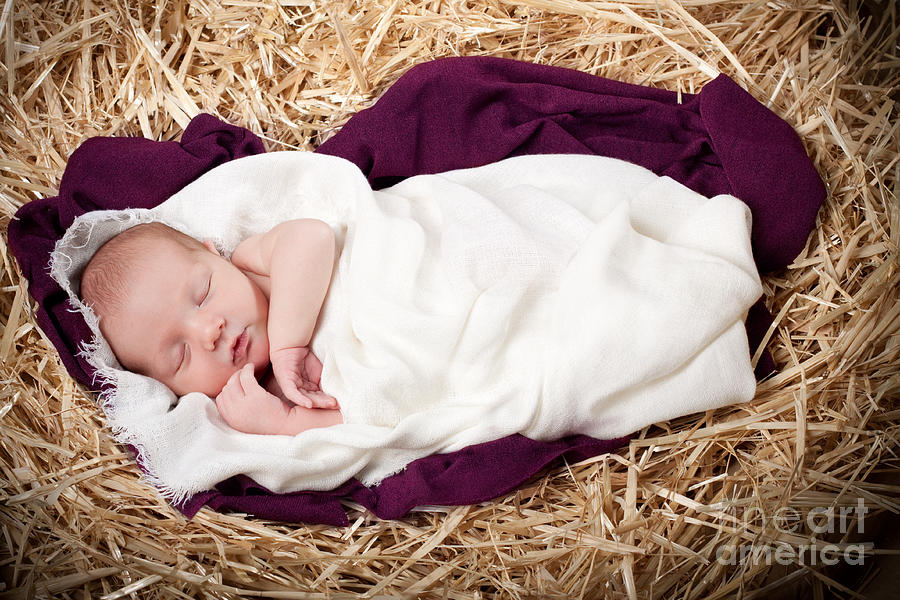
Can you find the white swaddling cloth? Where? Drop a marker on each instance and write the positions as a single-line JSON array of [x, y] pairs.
[[544, 295]]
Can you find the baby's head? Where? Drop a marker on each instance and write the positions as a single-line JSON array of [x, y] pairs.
[[173, 309]]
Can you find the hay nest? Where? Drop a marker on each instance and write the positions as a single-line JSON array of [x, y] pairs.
[[691, 508]]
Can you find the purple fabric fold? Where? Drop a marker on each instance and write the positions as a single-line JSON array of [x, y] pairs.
[[447, 114], [474, 474], [461, 112]]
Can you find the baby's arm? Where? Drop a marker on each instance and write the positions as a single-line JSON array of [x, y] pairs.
[[293, 263], [249, 408], [297, 257]]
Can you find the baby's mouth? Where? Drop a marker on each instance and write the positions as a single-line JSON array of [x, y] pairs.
[[239, 346]]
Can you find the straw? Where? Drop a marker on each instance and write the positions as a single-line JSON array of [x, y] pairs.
[[658, 518]]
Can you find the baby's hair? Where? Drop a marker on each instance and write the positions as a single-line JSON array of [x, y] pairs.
[[105, 280]]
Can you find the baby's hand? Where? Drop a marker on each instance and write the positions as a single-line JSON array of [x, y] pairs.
[[247, 407], [298, 372]]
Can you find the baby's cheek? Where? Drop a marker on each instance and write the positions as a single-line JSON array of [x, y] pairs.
[[224, 378], [220, 380]]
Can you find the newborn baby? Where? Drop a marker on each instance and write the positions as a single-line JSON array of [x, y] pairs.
[[174, 309]]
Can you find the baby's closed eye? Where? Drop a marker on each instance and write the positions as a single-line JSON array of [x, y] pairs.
[[182, 357], [204, 296]]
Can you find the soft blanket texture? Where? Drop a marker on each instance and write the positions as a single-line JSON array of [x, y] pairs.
[[441, 115], [544, 295]]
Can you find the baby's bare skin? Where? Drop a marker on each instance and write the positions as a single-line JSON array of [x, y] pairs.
[[292, 266], [253, 407], [199, 322]]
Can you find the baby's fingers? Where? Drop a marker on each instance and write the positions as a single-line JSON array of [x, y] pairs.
[[323, 400], [225, 404], [247, 379], [232, 387], [230, 395], [293, 394], [320, 399], [289, 388], [234, 384]]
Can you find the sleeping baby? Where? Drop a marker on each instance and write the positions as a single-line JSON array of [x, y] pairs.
[[174, 309], [542, 295]]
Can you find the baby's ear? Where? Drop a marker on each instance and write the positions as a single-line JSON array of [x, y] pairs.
[[211, 247]]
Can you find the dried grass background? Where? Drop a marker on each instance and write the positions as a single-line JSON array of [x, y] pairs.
[[646, 522]]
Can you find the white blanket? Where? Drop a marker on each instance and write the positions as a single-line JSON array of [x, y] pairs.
[[544, 295]]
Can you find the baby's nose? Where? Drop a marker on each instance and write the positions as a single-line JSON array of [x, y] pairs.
[[212, 331]]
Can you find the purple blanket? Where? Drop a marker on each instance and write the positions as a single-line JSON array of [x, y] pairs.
[[447, 114]]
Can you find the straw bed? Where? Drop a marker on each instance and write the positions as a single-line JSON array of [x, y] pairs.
[[647, 522]]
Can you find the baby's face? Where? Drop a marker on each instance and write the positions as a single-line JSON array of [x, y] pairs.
[[191, 320]]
